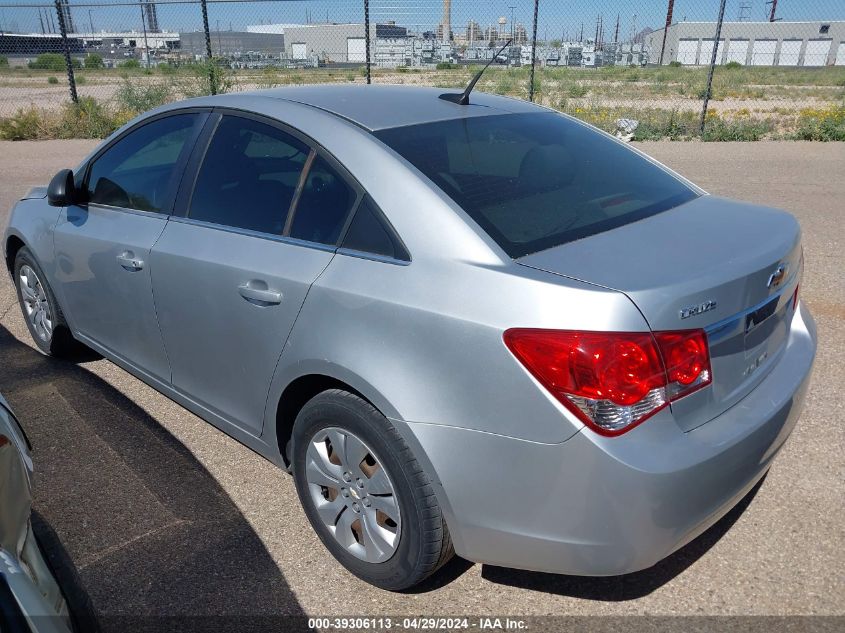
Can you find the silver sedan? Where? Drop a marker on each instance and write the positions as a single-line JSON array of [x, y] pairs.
[[465, 324]]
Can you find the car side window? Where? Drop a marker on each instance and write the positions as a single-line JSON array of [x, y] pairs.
[[248, 176], [323, 206], [370, 233], [137, 172]]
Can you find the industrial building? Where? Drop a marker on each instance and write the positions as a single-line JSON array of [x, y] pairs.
[[232, 43], [20, 49], [331, 43], [751, 43]]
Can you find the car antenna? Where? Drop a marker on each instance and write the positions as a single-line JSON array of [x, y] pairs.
[[463, 99]]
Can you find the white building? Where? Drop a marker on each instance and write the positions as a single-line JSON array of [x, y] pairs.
[[751, 43]]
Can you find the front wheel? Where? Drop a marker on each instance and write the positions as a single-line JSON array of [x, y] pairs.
[[365, 494], [41, 311]]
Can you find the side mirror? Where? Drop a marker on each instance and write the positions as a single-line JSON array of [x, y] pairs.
[[61, 191]]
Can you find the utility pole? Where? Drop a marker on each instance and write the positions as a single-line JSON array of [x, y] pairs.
[[91, 23], [616, 34], [669, 11], [774, 4]]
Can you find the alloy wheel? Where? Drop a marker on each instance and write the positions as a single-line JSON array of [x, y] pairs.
[[35, 303]]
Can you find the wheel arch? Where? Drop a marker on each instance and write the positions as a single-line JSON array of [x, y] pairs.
[[14, 243], [300, 389]]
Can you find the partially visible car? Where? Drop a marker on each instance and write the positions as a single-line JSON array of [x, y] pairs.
[[31, 599]]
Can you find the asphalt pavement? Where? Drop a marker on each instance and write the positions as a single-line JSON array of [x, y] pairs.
[[161, 514]]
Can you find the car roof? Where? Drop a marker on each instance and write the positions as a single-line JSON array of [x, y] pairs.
[[377, 107]]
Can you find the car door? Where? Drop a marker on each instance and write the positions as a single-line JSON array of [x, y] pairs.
[[103, 243], [260, 222]]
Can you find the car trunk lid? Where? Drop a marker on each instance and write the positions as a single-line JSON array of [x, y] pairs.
[[724, 266]]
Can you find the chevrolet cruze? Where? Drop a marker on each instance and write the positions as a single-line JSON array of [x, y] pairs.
[[465, 325]]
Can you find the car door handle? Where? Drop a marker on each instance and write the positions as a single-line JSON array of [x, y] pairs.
[[130, 262], [265, 296]]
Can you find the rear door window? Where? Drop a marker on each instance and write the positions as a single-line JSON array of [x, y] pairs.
[[138, 171], [534, 181], [249, 176], [323, 205]]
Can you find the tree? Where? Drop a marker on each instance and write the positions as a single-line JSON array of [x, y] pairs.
[[48, 61], [4, 61], [93, 61]]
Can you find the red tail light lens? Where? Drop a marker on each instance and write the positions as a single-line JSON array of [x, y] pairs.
[[687, 360], [613, 381]]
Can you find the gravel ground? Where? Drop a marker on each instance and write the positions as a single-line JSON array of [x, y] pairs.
[[162, 514]]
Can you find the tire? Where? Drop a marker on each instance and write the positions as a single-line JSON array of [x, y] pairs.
[[57, 339], [406, 548]]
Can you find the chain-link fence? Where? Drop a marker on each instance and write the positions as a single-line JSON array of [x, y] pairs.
[[721, 69]]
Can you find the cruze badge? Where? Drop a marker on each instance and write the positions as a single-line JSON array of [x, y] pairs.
[[777, 277], [700, 308]]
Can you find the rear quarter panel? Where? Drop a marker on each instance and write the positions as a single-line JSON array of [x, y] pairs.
[[424, 341]]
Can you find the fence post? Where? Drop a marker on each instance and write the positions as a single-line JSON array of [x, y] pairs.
[[66, 45], [712, 66], [146, 43], [533, 52], [212, 76], [367, 36]]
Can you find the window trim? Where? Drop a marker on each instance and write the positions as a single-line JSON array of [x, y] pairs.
[[178, 167]]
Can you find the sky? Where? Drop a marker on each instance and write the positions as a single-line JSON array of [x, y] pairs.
[[558, 19]]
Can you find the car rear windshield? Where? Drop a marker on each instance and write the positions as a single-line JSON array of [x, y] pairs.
[[538, 180]]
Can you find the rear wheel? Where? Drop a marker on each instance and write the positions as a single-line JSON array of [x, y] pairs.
[[41, 311], [365, 494]]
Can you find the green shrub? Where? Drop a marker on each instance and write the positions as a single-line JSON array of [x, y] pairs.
[[80, 80], [675, 64], [4, 61], [93, 60], [201, 76], [48, 61], [576, 91], [827, 124], [742, 129], [87, 119], [138, 96], [446, 66], [24, 125], [52, 80], [129, 63], [733, 65]]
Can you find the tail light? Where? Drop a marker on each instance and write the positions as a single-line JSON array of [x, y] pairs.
[[613, 381]]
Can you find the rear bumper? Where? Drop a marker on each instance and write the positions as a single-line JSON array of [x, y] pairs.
[[599, 506]]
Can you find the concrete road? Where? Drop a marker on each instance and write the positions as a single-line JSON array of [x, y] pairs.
[[162, 514]]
